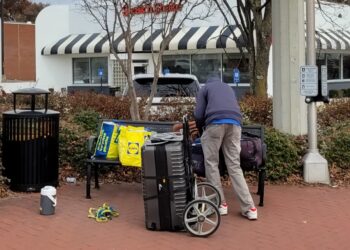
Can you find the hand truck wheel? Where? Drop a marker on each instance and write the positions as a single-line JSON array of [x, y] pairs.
[[201, 218], [208, 192]]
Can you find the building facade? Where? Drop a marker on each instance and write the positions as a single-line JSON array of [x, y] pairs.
[[72, 52]]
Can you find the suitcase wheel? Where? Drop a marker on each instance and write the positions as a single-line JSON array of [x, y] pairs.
[[201, 218]]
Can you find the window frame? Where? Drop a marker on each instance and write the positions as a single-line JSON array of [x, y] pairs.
[[237, 56], [219, 56], [342, 70], [90, 70], [187, 57], [340, 58]]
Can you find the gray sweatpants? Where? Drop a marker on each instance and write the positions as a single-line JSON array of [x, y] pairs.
[[227, 137]]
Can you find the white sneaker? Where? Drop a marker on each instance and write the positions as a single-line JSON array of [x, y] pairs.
[[223, 209], [251, 214]]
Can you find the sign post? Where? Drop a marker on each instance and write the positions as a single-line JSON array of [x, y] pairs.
[[100, 74], [315, 166]]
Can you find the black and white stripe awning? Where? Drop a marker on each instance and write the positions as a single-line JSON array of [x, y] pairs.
[[212, 37], [332, 39]]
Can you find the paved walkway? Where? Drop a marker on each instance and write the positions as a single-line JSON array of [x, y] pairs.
[[292, 218]]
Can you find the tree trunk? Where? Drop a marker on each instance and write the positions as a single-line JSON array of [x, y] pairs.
[[261, 68], [252, 71], [263, 31], [156, 73], [134, 107]]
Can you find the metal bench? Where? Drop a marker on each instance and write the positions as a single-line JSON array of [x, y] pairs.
[[259, 131], [163, 127]]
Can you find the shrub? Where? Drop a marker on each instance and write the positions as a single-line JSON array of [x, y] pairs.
[[173, 111], [106, 106], [338, 151], [60, 103], [282, 155], [335, 93], [72, 148], [88, 119], [334, 112], [339, 93], [3, 179], [257, 110], [335, 144]]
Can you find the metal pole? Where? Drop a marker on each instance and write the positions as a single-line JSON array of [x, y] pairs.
[[311, 60], [315, 166], [101, 84]]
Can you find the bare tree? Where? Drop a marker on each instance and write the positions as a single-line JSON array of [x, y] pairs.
[[168, 22], [332, 12], [121, 16], [110, 15], [254, 20]]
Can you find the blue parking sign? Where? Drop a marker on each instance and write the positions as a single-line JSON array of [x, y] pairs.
[[236, 74], [100, 71]]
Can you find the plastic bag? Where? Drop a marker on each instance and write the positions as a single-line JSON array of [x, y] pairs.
[[107, 142], [131, 140]]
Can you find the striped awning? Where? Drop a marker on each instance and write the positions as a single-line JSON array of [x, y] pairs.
[[212, 37], [328, 39]]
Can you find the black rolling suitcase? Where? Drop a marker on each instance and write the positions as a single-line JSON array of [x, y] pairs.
[[166, 184]]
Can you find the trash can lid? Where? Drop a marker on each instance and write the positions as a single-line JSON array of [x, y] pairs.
[[31, 91]]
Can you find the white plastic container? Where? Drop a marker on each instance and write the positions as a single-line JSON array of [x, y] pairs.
[[48, 200]]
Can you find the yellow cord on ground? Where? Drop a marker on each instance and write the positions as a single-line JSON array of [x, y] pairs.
[[103, 213]]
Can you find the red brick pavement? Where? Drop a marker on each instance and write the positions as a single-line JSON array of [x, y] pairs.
[[293, 218]]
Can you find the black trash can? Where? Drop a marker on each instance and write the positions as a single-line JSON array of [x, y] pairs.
[[30, 143]]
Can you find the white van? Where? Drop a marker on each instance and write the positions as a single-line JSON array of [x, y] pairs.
[[174, 89]]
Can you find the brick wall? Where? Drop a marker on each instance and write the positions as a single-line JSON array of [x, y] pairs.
[[19, 51]]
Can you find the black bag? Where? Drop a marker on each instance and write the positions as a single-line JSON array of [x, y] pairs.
[[198, 161], [251, 152], [251, 155]]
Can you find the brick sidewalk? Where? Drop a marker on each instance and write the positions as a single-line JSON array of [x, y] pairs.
[[292, 218]]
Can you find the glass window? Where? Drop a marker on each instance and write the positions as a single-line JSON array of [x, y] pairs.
[[81, 72], [176, 64], [333, 66], [181, 87], [320, 60], [86, 70], [206, 64], [229, 62], [99, 64], [346, 67]]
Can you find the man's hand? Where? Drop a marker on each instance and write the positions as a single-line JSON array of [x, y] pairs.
[[194, 132], [192, 126]]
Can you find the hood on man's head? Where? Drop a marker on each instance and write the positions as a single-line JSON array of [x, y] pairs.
[[214, 76]]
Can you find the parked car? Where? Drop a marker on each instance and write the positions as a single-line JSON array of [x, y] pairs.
[[172, 90]]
